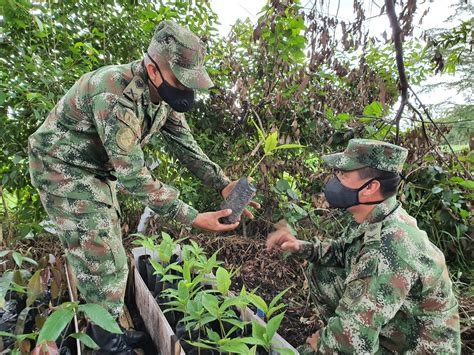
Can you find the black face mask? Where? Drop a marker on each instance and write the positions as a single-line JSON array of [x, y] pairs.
[[179, 100], [340, 196]]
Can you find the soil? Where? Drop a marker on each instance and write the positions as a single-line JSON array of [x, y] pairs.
[[268, 272]]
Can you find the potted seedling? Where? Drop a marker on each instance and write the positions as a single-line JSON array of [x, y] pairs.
[[244, 191], [263, 335]]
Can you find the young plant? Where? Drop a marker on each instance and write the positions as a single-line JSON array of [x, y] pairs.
[[195, 255], [165, 249], [243, 191], [59, 319], [270, 145], [262, 335], [269, 309], [223, 343]]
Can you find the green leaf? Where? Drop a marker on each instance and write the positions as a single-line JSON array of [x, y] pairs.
[[282, 185], [6, 334], [283, 351], [258, 302], [223, 281], [86, 340], [289, 146], [436, 189], [99, 316], [235, 346], [468, 184], [4, 252], [5, 282], [274, 309], [55, 324], [18, 258], [270, 143], [199, 344], [261, 136], [273, 325], [375, 109], [29, 260], [253, 341], [39, 23], [211, 304], [212, 335], [258, 330], [35, 287]]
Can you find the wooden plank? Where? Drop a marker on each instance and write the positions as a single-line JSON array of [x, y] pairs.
[[155, 322]]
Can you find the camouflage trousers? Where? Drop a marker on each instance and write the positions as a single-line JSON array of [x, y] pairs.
[[327, 288], [91, 236]]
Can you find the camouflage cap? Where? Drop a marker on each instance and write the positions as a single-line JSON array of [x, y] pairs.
[[361, 153], [185, 54]]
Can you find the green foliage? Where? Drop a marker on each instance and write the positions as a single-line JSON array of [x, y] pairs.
[[55, 324], [439, 198], [306, 86], [200, 306]]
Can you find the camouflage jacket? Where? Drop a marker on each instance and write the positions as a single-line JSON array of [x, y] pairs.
[[94, 137], [398, 295]]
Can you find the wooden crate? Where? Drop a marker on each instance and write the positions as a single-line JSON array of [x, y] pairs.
[[157, 325]]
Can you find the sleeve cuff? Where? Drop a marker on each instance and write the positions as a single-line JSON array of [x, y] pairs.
[[221, 182], [185, 213], [178, 211], [306, 251]]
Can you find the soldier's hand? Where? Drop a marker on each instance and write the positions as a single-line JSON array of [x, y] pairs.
[[283, 239], [228, 189], [313, 341], [210, 221]]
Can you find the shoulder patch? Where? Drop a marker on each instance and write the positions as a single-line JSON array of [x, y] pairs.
[[125, 138], [178, 119], [131, 121], [354, 291], [134, 89], [373, 232]]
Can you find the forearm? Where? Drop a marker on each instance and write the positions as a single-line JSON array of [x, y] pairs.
[[161, 198], [182, 144], [328, 251]]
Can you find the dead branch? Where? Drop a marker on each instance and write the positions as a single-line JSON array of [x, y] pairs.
[[397, 41], [427, 114]]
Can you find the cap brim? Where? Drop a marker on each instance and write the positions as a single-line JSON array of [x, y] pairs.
[[192, 78], [342, 162]]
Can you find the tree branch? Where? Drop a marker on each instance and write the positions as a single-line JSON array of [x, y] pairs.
[[397, 41]]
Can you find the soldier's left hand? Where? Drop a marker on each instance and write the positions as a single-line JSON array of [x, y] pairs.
[[228, 189], [313, 341]]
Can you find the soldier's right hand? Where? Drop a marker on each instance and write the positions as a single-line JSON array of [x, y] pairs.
[[209, 221], [283, 239]]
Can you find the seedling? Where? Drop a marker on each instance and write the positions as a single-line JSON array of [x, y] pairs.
[[243, 191]]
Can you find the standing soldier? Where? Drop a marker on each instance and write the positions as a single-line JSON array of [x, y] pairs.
[[93, 139], [382, 287]]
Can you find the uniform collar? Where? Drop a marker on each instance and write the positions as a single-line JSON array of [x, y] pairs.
[[138, 86], [377, 215], [382, 210]]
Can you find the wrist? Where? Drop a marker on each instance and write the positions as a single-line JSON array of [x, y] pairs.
[[221, 184]]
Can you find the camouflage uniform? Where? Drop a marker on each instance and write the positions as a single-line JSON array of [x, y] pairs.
[[93, 139], [382, 287]]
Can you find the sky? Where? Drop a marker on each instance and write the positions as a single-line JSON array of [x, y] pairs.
[[440, 10]]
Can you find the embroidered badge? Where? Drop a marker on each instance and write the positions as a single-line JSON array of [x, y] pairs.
[[125, 138], [133, 122], [354, 291]]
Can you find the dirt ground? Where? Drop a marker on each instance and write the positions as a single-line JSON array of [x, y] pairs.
[[269, 273]]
